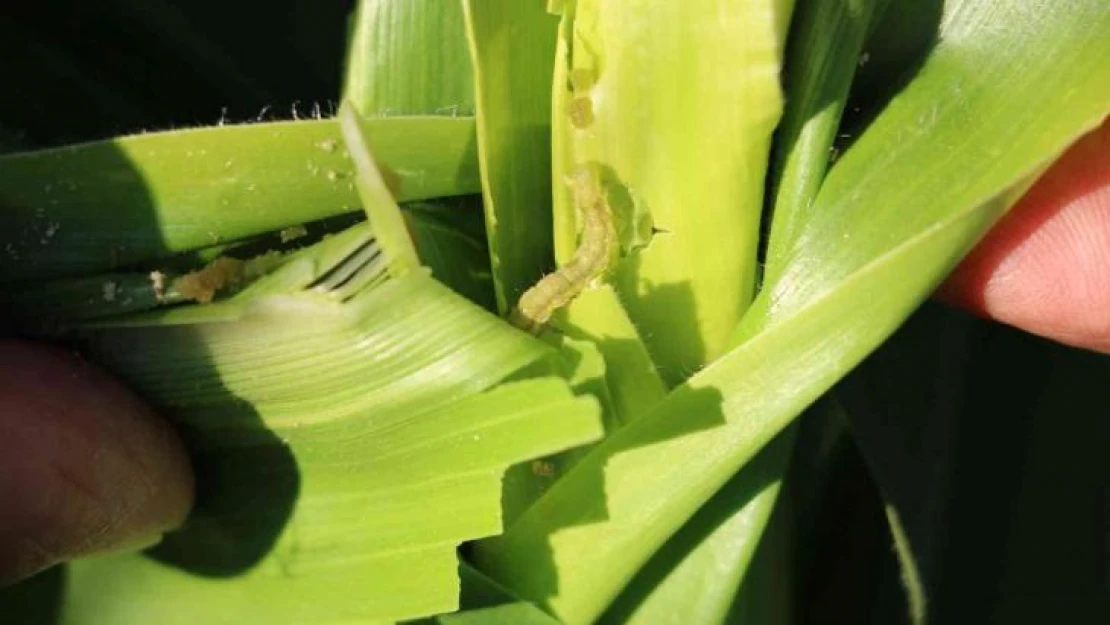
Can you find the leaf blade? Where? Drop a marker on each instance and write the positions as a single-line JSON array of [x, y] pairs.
[[87, 208], [807, 330], [512, 46], [409, 58]]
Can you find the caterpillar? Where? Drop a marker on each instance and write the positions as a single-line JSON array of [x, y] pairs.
[[590, 260]]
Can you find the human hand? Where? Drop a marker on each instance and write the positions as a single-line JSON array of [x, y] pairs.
[[1045, 267], [85, 467]]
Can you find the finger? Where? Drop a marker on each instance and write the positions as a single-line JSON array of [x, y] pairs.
[[85, 467], [1046, 267]]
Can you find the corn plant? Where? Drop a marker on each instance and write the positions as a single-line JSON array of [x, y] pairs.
[[565, 313]]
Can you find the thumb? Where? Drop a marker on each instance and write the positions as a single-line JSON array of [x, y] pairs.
[[85, 467]]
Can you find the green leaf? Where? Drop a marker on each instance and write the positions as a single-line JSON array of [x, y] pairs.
[[450, 239], [695, 576], [701, 584], [995, 101], [409, 57], [895, 48], [825, 45], [485, 602], [769, 590], [597, 314], [582, 364], [331, 494], [511, 48], [650, 89], [92, 207], [347, 430], [376, 196]]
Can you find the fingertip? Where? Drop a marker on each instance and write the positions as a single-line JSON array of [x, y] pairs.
[[1046, 267], [85, 466]]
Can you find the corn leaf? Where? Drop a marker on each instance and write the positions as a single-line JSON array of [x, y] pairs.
[[378, 199], [597, 314], [584, 366], [92, 207], [825, 47], [485, 602], [769, 592], [588, 129], [352, 418], [511, 48], [348, 432], [412, 58], [653, 88], [696, 576], [409, 57], [994, 102], [308, 477], [450, 239], [894, 49], [367, 537]]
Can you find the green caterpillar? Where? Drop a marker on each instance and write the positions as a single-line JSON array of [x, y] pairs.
[[591, 260]]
